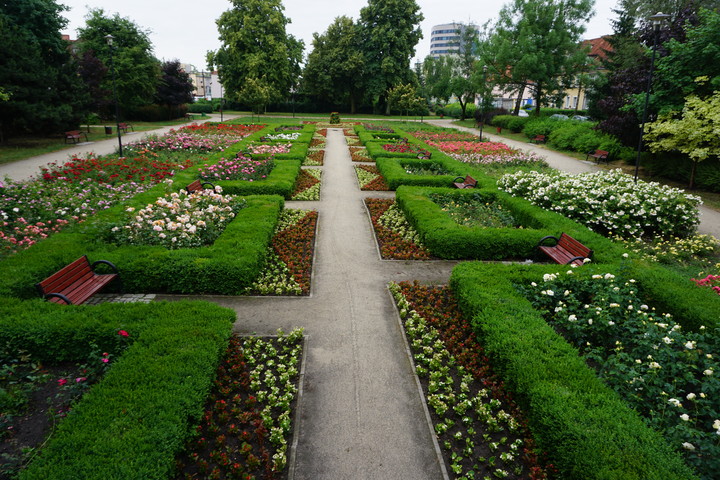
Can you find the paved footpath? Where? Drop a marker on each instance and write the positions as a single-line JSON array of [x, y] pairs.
[[361, 416], [709, 218]]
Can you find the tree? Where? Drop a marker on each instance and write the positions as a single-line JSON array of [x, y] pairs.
[[404, 98], [437, 73], [335, 65], [137, 71], [175, 86], [534, 44], [37, 73], [93, 72], [694, 132], [255, 45], [465, 75], [390, 31]]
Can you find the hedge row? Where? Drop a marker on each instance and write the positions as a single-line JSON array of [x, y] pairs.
[[446, 239], [134, 422], [587, 430], [393, 170]]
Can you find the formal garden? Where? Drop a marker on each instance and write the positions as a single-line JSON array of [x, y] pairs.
[[529, 369]]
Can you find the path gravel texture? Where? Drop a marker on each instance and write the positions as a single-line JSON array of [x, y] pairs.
[[361, 416]]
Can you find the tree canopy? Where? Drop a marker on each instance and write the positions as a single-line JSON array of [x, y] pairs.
[[175, 87], [390, 31], [255, 45]]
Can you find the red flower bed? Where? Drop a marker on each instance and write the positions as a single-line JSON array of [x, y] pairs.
[[317, 156], [322, 131], [113, 170], [303, 182], [295, 246], [378, 184], [392, 245], [211, 128], [440, 308]]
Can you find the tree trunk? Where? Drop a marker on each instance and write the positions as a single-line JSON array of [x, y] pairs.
[[353, 106], [463, 106], [518, 102], [692, 175], [538, 93]]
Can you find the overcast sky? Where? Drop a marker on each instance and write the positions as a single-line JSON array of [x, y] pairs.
[[185, 29]]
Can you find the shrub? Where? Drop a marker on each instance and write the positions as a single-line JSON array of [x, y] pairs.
[[199, 108], [511, 122]]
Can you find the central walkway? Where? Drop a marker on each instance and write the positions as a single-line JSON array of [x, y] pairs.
[[361, 416]]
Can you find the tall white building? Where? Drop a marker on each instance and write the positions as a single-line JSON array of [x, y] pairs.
[[445, 39]]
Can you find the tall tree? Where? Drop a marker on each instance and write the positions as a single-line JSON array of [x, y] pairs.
[[535, 43], [137, 71], [466, 75], [37, 72], [175, 87], [334, 67], [390, 31], [255, 45], [438, 73]]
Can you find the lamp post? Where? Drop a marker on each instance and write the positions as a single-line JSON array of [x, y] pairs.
[[657, 20], [221, 93], [482, 103], [109, 39]]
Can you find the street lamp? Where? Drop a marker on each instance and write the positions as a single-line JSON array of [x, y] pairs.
[[221, 93], [482, 102], [657, 21], [109, 39]]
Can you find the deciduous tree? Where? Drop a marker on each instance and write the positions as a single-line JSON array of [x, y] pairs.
[[255, 45], [175, 87]]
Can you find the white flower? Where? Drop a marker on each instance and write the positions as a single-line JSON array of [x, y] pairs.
[[675, 402], [688, 446], [550, 293], [716, 424], [708, 372], [690, 396], [614, 305], [690, 345], [590, 321], [685, 417], [667, 340], [609, 276], [572, 318]]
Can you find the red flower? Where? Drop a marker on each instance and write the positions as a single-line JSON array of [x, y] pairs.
[[123, 333]]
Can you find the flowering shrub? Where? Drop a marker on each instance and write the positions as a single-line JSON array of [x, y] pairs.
[[474, 211], [712, 281], [280, 136], [179, 220], [481, 431], [269, 149], [396, 237], [669, 376], [238, 168], [307, 186], [246, 426], [610, 202]]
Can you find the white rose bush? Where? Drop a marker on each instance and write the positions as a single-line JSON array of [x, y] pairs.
[[610, 203]]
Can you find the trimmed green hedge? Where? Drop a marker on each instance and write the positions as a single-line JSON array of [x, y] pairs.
[[133, 423], [446, 239], [280, 181], [588, 431], [227, 267], [393, 170]]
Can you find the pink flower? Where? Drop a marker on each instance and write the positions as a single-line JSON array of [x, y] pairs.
[[62, 382], [105, 360], [123, 333], [80, 379]]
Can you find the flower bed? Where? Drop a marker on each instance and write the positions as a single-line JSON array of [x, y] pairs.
[[178, 220], [238, 168], [288, 268], [315, 158], [260, 149], [369, 178], [280, 137], [445, 136], [432, 168], [360, 154], [145, 168], [478, 148], [377, 128], [212, 128], [668, 375], [610, 203], [307, 186], [475, 211], [711, 281], [481, 431], [182, 141], [248, 417], [318, 142], [396, 237], [404, 148], [512, 159]]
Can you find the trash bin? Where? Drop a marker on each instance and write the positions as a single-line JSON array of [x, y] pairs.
[[108, 130], [498, 129]]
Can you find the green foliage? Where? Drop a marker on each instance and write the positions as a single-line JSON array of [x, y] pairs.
[[334, 68], [455, 110], [394, 171], [258, 61], [137, 71], [390, 31], [511, 122], [137, 419], [175, 86], [404, 98], [571, 412], [42, 92], [200, 108]]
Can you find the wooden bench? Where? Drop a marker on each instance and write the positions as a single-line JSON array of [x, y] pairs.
[[76, 283], [424, 155], [74, 136], [123, 127], [197, 185], [599, 155], [566, 250], [467, 182], [538, 139]]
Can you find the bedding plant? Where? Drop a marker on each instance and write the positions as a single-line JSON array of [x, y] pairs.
[[396, 238], [668, 375], [307, 185], [248, 419], [481, 432], [238, 168], [268, 149], [474, 211], [370, 178]]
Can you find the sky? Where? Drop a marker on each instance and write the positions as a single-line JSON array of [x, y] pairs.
[[185, 30]]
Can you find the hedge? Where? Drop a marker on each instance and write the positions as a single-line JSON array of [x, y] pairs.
[[133, 423], [587, 430], [448, 240]]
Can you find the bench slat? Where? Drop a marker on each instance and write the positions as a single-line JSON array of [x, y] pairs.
[[76, 281], [81, 292], [566, 249]]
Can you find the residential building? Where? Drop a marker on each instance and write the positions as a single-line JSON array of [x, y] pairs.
[[575, 97], [446, 39]]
